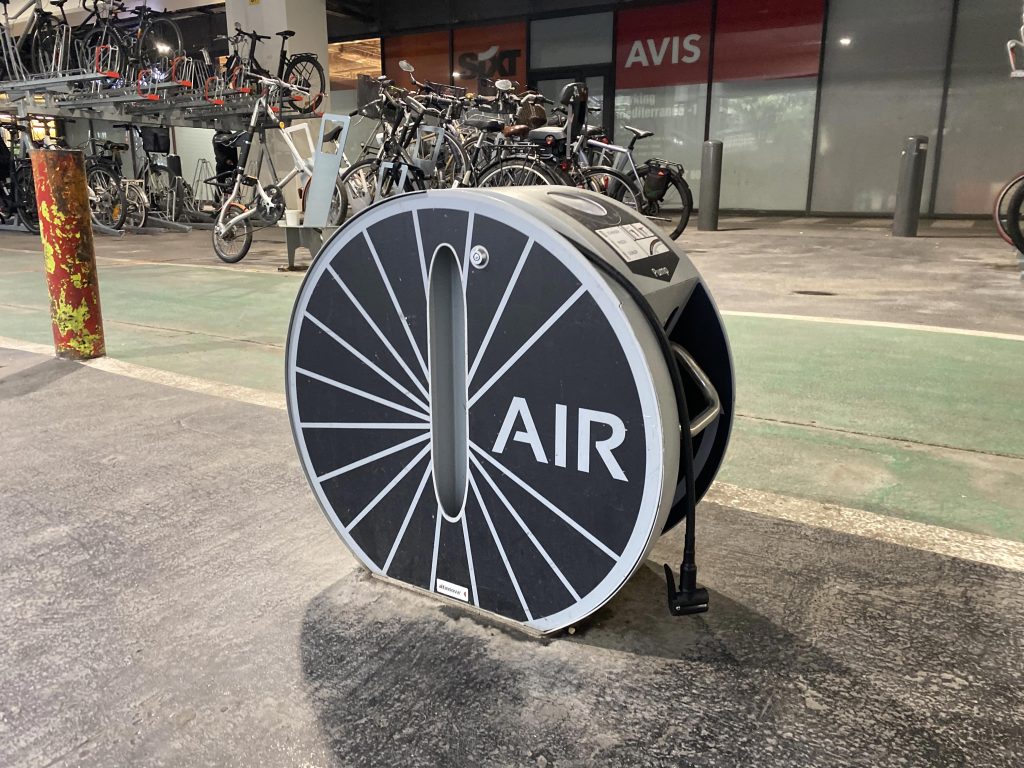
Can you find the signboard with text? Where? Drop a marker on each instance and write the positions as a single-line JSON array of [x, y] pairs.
[[495, 51], [663, 45]]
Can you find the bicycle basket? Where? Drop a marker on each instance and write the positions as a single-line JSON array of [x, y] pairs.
[[156, 140]]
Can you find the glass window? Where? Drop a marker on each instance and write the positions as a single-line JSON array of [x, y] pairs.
[[762, 100], [882, 81], [984, 112], [352, 67], [661, 71], [571, 41]]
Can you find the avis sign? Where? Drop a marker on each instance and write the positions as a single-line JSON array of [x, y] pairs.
[[662, 45]]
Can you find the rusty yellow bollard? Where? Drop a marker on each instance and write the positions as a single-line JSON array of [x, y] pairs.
[[65, 227]]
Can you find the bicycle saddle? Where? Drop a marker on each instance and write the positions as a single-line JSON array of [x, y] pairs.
[[637, 132], [515, 130], [333, 134], [595, 130], [484, 123], [58, 3], [286, 34]]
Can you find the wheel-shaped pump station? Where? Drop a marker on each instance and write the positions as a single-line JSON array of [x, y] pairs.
[[485, 390]]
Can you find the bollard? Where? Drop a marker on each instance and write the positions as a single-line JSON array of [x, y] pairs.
[[908, 190], [65, 226], [710, 185]]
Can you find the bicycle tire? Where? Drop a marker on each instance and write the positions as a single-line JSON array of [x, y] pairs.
[[999, 209], [685, 195], [1014, 219], [25, 198], [339, 203], [116, 60], [136, 207], [159, 44], [611, 183], [306, 71], [359, 182], [516, 172], [220, 239], [109, 206]]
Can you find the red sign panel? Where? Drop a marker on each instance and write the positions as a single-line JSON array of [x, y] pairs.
[[663, 45], [427, 52], [493, 52], [768, 39]]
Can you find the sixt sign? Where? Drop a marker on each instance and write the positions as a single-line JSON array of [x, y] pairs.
[[494, 51]]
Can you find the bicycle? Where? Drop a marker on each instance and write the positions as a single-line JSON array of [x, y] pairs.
[[17, 185], [107, 199], [666, 195], [302, 70], [233, 230], [1000, 210]]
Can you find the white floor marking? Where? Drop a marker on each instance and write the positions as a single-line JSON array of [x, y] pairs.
[[501, 549], [878, 324], [526, 487], [367, 362], [529, 534], [377, 331], [388, 488], [962, 545], [527, 345], [408, 517], [373, 457], [397, 306], [360, 393], [499, 311]]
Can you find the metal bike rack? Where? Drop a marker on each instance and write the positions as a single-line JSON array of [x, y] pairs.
[[483, 389]]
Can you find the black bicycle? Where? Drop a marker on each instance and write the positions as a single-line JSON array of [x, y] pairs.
[[107, 195], [302, 70], [17, 185]]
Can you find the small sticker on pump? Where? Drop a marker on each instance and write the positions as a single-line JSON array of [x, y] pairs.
[[633, 241]]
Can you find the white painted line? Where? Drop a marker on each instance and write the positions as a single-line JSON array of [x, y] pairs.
[[963, 545], [878, 324]]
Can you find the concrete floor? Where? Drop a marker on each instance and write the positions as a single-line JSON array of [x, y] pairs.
[[172, 595]]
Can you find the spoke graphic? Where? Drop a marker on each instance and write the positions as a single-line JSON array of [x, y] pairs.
[[388, 488], [363, 425], [398, 307], [498, 312], [379, 333], [366, 361], [408, 517], [361, 393], [437, 542], [469, 560], [501, 549], [423, 256], [373, 457], [527, 344], [465, 252], [526, 530], [526, 487]]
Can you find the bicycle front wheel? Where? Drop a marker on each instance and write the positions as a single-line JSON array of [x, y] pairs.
[[613, 184], [231, 244], [305, 71], [136, 207], [1002, 206], [25, 198], [515, 173], [107, 200], [159, 44], [1015, 218], [364, 184], [675, 206]]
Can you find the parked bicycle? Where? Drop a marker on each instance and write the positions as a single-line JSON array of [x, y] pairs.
[[107, 198], [301, 70], [17, 185]]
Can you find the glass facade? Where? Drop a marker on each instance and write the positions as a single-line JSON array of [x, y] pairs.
[[813, 100]]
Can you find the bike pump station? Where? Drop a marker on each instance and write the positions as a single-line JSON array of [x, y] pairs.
[[505, 397]]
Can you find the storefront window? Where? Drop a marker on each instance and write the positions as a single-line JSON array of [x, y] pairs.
[[762, 100], [571, 41], [661, 71]]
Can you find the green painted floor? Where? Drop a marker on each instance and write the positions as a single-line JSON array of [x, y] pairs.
[[919, 425]]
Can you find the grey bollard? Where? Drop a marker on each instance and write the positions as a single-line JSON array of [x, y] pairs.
[[710, 185], [911, 183]]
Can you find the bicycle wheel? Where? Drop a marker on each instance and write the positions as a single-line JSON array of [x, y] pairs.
[[515, 172], [44, 49], [361, 187], [305, 71], [674, 208], [233, 243], [339, 203], [610, 182], [105, 50], [166, 194], [1001, 207], [159, 44], [1014, 219], [136, 207], [25, 198], [106, 201]]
